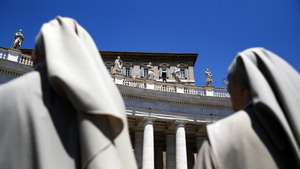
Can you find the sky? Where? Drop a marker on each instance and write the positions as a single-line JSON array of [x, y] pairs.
[[215, 29]]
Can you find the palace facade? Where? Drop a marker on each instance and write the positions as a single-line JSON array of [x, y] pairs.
[[167, 113]]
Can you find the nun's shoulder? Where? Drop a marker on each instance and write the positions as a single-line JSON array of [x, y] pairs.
[[21, 89], [240, 120], [235, 139], [227, 130]]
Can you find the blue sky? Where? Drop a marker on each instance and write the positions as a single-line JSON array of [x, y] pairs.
[[216, 29]]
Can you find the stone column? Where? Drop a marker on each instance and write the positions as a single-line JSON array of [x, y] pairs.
[[181, 156], [148, 146], [170, 152], [138, 148]]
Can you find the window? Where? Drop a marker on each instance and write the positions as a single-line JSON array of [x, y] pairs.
[[108, 69], [164, 71], [127, 71], [109, 66], [163, 74], [183, 73], [144, 72]]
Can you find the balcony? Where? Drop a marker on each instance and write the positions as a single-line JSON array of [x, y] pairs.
[[168, 87]]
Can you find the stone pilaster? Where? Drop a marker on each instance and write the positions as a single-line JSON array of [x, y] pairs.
[[148, 146], [191, 73], [172, 70], [156, 72], [136, 71], [181, 155]]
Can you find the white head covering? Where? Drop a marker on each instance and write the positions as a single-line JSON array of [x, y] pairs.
[[275, 93], [76, 70]]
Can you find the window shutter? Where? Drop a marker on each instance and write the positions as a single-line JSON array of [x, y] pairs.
[[168, 72], [142, 72], [160, 72], [124, 71]]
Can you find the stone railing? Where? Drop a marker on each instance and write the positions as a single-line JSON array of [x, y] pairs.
[[15, 56], [168, 87]]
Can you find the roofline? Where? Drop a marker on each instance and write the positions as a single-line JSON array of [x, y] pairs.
[[167, 54], [152, 53]]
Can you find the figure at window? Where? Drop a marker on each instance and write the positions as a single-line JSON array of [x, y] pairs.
[[164, 74]]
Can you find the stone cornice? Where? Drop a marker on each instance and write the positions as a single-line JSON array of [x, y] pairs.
[[180, 98]]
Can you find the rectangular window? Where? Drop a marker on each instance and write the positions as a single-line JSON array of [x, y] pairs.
[[163, 73], [127, 72], [108, 68], [183, 73], [145, 72]]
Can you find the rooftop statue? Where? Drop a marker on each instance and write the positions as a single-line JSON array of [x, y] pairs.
[[117, 69], [18, 40], [209, 77]]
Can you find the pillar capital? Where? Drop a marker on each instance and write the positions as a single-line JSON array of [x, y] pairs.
[[148, 120], [180, 123]]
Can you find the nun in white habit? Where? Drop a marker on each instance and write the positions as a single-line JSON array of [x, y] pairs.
[[264, 133], [67, 113]]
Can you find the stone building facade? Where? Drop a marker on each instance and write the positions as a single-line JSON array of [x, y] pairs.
[[167, 113]]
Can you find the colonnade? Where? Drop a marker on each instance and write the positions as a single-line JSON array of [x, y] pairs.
[[176, 147]]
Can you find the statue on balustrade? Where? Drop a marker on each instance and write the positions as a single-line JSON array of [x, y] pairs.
[[18, 40], [150, 75], [176, 73], [209, 78], [117, 69]]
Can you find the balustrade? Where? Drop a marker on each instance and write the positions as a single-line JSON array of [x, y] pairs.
[[173, 88], [15, 57]]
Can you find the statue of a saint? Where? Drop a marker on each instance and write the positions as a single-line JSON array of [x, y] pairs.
[[117, 69], [209, 77], [176, 73], [18, 40], [150, 71]]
